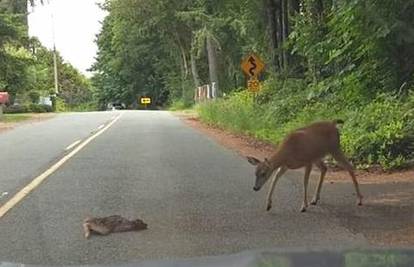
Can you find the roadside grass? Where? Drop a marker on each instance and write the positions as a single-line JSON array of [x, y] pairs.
[[11, 118], [180, 105], [377, 131]]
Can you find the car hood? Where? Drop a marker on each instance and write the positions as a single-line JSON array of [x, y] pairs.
[[280, 258]]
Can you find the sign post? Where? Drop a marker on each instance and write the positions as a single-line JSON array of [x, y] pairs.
[[252, 66]]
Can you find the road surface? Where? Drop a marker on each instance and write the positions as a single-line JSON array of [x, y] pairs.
[[195, 195]]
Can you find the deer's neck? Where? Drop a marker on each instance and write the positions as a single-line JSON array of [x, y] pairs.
[[275, 160]]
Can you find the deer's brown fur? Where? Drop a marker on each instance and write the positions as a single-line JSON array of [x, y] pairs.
[[303, 148], [111, 224]]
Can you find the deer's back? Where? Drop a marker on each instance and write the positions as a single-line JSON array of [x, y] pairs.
[[310, 143]]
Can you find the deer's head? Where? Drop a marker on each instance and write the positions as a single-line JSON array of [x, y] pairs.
[[263, 171]]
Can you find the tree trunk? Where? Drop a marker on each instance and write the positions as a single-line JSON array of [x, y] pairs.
[[319, 7], [294, 6], [212, 62], [280, 35], [285, 31], [272, 28], [194, 70], [183, 56]]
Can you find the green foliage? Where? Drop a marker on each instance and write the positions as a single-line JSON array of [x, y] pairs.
[[16, 109], [10, 118], [84, 107], [32, 108], [34, 97], [361, 47], [380, 132], [352, 60], [60, 105], [371, 259], [26, 67], [179, 105], [35, 108], [145, 46]]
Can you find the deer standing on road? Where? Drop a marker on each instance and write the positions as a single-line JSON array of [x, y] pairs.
[[303, 148]]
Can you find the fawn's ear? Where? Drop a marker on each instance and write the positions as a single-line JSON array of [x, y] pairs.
[[253, 160]]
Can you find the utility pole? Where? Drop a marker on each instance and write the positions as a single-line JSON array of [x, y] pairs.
[[55, 59], [55, 68]]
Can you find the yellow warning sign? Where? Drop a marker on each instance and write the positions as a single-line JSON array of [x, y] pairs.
[[253, 84], [252, 65], [145, 100]]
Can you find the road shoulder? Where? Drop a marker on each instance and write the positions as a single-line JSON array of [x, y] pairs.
[[387, 218], [11, 121]]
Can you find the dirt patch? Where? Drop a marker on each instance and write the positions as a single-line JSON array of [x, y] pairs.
[[34, 118], [242, 144]]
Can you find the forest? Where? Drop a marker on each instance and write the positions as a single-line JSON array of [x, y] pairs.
[[26, 66], [325, 59]]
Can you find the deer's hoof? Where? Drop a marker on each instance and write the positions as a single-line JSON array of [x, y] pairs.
[[359, 202], [269, 207], [303, 209], [314, 202]]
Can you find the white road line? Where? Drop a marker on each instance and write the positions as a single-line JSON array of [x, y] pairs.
[[19, 196], [69, 147], [101, 126]]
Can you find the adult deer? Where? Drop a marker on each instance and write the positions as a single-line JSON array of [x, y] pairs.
[[303, 148]]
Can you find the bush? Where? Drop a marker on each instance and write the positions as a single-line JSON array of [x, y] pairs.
[[16, 109], [28, 108], [180, 105], [379, 132], [91, 106], [34, 97], [60, 105], [39, 108]]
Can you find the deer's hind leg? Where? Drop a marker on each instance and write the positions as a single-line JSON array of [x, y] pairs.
[[342, 160], [322, 167]]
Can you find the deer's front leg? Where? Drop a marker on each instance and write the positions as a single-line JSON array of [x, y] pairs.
[[305, 187], [276, 175]]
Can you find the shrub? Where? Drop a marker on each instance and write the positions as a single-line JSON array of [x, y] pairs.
[[180, 105], [16, 109], [35, 108], [39, 108], [34, 97], [60, 105], [90, 106], [378, 132]]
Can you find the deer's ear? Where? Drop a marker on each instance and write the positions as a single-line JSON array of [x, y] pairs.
[[253, 160]]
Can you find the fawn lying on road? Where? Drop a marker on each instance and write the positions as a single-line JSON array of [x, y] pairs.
[[111, 224]]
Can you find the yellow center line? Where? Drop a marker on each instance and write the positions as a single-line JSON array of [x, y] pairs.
[[19, 196]]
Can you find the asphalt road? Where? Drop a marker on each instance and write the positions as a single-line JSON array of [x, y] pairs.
[[195, 195], [29, 149]]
